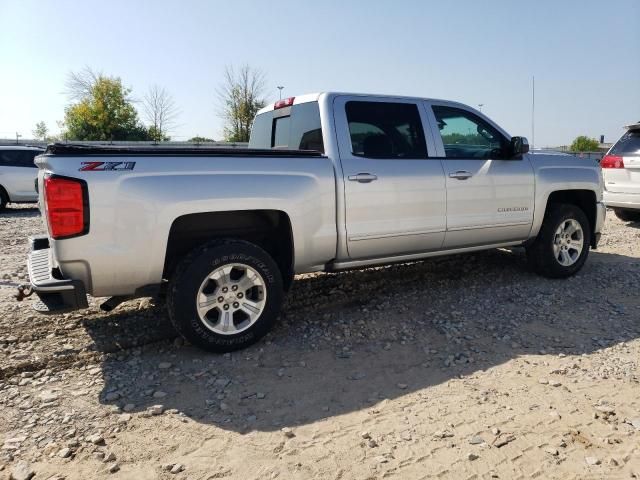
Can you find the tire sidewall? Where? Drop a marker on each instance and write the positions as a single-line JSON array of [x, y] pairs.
[[553, 222], [189, 279], [4, 199]]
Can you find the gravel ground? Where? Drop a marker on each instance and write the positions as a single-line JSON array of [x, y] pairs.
[[462, 367]]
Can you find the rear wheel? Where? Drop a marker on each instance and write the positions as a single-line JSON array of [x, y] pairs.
[[627, 215], [225, 295], [562, 246], [4, 199]]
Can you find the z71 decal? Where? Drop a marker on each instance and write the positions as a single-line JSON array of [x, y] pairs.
[[106, 166]]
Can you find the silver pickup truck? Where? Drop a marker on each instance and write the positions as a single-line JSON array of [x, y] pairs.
[[329, 182]]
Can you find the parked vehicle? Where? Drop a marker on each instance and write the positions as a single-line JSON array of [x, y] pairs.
[[330, 182], [17, 174], [621, 171]]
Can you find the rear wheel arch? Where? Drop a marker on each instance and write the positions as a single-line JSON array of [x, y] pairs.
[[271, 230]]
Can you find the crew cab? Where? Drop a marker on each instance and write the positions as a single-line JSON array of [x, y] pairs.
[[330, 181]]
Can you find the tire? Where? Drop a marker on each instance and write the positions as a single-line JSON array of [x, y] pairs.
[[4, 199], [627, 215], [546, 255], [196, 287]]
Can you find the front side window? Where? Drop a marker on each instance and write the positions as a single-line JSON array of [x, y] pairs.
[[385, 130], [465, 135]]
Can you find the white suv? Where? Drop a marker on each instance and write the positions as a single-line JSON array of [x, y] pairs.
[[18, 174], [621, 172]]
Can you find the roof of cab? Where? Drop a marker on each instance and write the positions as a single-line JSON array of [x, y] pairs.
[[314, 97]]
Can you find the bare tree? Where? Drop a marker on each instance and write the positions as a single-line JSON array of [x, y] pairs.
[[160, 111], [79, 84], [241, 96]]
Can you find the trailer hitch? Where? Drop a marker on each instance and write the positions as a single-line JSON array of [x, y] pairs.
[[24, 291]]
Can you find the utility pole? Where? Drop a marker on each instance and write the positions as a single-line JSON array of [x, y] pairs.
[[533, 111], [18, 138], [480, 105], [280, 87]]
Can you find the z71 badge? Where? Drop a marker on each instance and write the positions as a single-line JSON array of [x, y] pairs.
[[106, 166]]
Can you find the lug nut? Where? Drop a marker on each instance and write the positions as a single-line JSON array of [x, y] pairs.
[[225, 289], [240, 295], [234, 288], [220, 299], [226, 306], [236, 304]]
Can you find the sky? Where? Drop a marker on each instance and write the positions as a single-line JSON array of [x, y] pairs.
[[584, 55]]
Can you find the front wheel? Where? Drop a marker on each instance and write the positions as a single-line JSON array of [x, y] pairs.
[[562, 245], [627, 215], [225, 295]]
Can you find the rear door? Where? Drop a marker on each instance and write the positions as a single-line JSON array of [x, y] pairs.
[[627, 179], [18, 173], [395, 197], [490, 198]]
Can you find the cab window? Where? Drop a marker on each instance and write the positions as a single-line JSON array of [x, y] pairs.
[[465, 135], [385, 130]]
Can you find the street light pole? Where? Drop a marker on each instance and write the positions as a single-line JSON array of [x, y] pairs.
[[17, 138], [280, 87], [480, 105]]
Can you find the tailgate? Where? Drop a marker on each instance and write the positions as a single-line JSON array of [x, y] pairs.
[[623, 180]]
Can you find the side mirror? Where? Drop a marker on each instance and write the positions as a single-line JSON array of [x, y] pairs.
[[518, 146]]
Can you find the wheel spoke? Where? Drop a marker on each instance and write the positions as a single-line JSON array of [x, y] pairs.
[[246, 282], [226, 322], [251, 308], [566, 258], [206, 302]]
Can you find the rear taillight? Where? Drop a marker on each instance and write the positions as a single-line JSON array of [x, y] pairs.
[[612, 161], [285, 102], [66, 207]]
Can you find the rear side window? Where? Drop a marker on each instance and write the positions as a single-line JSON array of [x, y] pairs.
[[18, 158], [628, 145], [385, 130], [295, 128]]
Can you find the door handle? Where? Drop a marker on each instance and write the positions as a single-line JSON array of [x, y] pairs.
[[461, 175], [363, 177]]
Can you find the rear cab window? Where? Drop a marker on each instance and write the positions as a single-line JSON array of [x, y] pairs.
[[297, 127]]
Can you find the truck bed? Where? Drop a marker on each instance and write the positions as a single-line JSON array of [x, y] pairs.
[[68, 149]]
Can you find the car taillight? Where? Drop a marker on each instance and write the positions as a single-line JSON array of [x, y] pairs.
[[66, 207], [285, 102], [612, 161]]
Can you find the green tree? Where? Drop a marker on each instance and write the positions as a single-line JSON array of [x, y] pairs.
[[198, 139], [41, 131], [103, 110], [241, 96], [584, 144], [154, 133]]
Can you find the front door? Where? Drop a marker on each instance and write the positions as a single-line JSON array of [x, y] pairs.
[[490, 197], [395, 196]]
